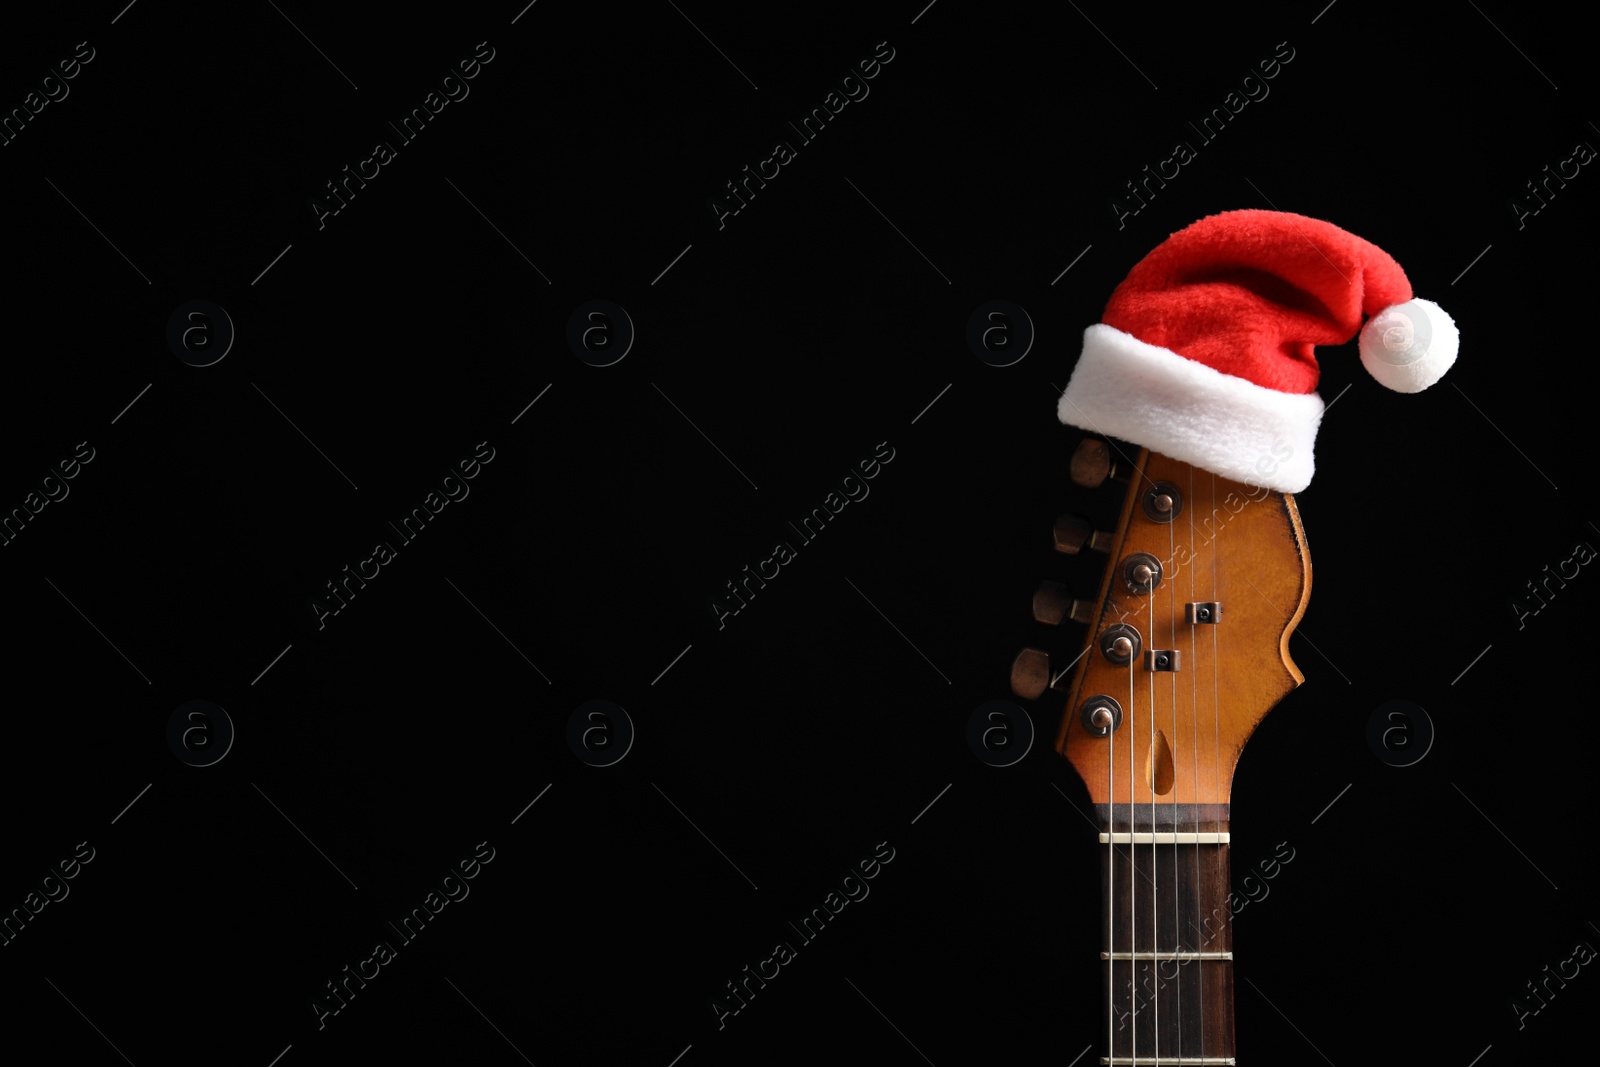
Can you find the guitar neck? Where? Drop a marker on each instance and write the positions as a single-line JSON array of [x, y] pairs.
[[1166, 934], [1186, 650]]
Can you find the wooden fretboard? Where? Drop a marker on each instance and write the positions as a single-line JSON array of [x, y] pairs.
[[1165, 914]]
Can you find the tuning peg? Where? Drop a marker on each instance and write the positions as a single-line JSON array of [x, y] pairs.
[[1030, 673], [1054, 602], [1073, 533], [1092, 464]]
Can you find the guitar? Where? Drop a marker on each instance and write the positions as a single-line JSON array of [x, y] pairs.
[[1202, 370]]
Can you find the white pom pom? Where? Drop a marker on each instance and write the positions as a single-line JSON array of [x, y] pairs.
[[1409, 346]]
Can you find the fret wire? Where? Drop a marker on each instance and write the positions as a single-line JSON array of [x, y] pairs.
[[1217, 1060], [1158, 955]]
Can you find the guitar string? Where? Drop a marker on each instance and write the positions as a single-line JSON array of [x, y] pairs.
[[1111, 864], [1133, 851], [1133, 861], [1194, 721], [1133, 885], [1133, 865], [1133, 889], [1154, 878], [1111, 891], [1216, 731], [1155, 874]]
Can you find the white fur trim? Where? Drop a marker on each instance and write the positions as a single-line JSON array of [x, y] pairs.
[[1409, 346], [1125, 388]]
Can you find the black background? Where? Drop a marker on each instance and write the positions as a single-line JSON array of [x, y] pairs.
[[823, 319]]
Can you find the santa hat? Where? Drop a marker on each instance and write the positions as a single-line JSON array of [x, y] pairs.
[[1204, 352]]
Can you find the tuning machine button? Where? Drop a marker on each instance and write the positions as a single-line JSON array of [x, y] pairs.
[[1030, 673], [1092, 464], [1073, 534], [1053, 603]]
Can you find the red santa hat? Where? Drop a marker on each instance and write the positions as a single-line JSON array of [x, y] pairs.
[[1204, 352]]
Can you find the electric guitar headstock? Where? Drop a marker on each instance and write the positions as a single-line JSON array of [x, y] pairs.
[[1186, 649], [1189, 648], [1198, 385]]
